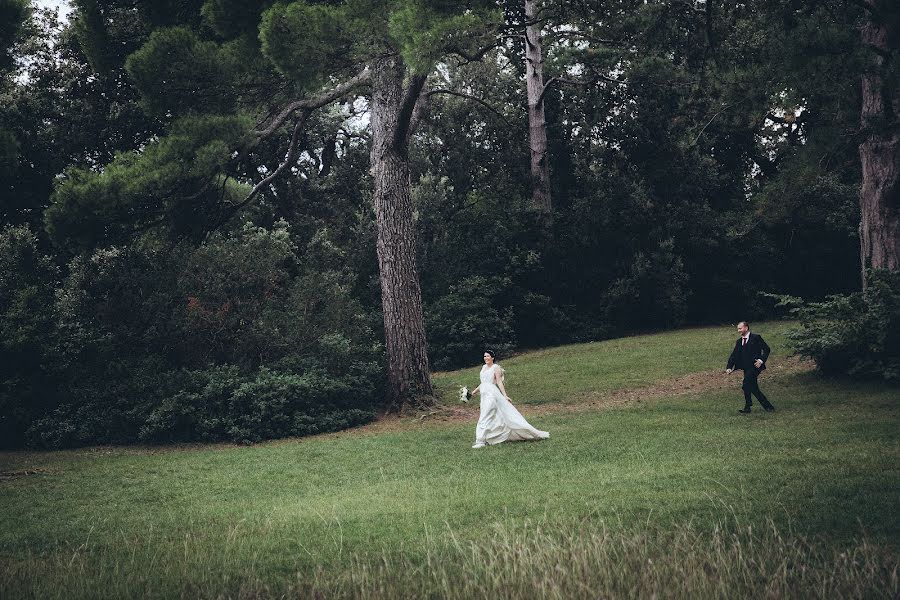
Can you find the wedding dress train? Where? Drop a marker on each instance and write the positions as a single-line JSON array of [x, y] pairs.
[[500, 421]]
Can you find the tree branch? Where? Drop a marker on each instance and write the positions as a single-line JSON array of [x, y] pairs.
[[584, 36], [786, 121], [288, 161], [473, 98], [418, 112], [708, 123], [476, 57], [883, 53], [555, 79], [866, 5], [404, 118], [535, 21], [603, 76], [691, 5], [309, 104]]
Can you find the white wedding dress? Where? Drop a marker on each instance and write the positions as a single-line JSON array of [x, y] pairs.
[[499, 420]]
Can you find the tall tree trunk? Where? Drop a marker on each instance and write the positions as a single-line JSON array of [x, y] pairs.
[[879, 198], [409, 378], [537, 126]]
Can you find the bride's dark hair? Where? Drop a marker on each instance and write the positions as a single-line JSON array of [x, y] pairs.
[[494, 358]]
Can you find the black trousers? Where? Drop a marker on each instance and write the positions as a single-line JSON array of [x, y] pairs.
[[751, 386]]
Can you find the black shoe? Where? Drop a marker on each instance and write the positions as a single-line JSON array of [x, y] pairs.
[[770, 408], [746, 411]]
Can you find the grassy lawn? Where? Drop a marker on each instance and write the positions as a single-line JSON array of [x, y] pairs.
[[415, 511]]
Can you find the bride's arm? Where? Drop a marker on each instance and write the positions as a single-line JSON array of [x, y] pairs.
[[499, 381], [475, 391]]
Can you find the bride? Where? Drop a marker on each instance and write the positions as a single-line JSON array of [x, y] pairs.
[[499, 420]]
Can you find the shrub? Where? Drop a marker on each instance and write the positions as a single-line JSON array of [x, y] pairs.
[[27, 332], [465, 321], [853, 334], [652, 295], [220, 404], [237, 340]]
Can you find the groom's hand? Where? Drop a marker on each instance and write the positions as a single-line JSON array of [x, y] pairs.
[[758, 362]]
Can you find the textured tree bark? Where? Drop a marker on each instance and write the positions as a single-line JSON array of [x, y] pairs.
[[879, 198], [409, 378], [537, 127]]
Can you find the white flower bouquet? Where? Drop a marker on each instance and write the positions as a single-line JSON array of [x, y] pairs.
[[464, 394]]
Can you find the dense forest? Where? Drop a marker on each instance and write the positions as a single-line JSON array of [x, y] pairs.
[[238, 220]]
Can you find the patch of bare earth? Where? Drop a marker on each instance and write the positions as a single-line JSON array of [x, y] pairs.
[[10, 475], [692, 383]]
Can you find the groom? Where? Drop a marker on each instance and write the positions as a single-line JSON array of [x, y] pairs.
[[750, 354]]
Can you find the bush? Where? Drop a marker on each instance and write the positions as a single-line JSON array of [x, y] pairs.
[[653, 294], [27, 332], [854, 334], [465, 321], [220, 404], [237, 340]]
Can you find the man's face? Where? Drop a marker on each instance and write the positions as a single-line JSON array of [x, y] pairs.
[[742, 329]]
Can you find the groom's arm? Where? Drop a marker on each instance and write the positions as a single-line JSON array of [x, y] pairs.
[[765, 349], [732, 360]]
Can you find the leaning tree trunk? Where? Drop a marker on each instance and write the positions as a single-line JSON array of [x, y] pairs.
[[409, 378], [537, 126], [879, 198]]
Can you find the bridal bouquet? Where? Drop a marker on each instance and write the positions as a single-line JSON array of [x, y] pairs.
[[464, 394]]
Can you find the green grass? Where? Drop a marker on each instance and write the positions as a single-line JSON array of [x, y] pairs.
[[356, 513], [567, 373]]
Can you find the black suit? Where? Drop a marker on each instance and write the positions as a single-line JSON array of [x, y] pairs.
[[743, 357]]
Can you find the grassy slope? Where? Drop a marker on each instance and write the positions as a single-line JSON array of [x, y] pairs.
[[567, 373], [824, 465]]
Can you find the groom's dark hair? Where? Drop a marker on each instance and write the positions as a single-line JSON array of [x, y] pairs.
[[744, 323]]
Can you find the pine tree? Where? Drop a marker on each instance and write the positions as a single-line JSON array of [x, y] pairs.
[[230, 78]]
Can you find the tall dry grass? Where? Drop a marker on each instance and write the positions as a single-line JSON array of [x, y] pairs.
[[535, 561]]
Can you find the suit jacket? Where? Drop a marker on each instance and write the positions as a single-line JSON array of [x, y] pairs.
[[743, 357]]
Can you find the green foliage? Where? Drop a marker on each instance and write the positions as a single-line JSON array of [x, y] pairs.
[[230, 18], [93, 35], [27, 331], [304, 41], [9, 155], [221, 404], [854, 334], [468, 320], [173, 181], [176, 70], [238, 339], [654, 292], [63, 114], [425, 30], [249, 301], [13, 14]]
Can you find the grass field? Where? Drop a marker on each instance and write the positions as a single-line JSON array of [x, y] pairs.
[[674, 494]]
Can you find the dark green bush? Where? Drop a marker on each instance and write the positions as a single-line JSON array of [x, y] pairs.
[[27, 333], [236, 340], [466, 321], [854, 334], [220, 404], [654, 293]]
